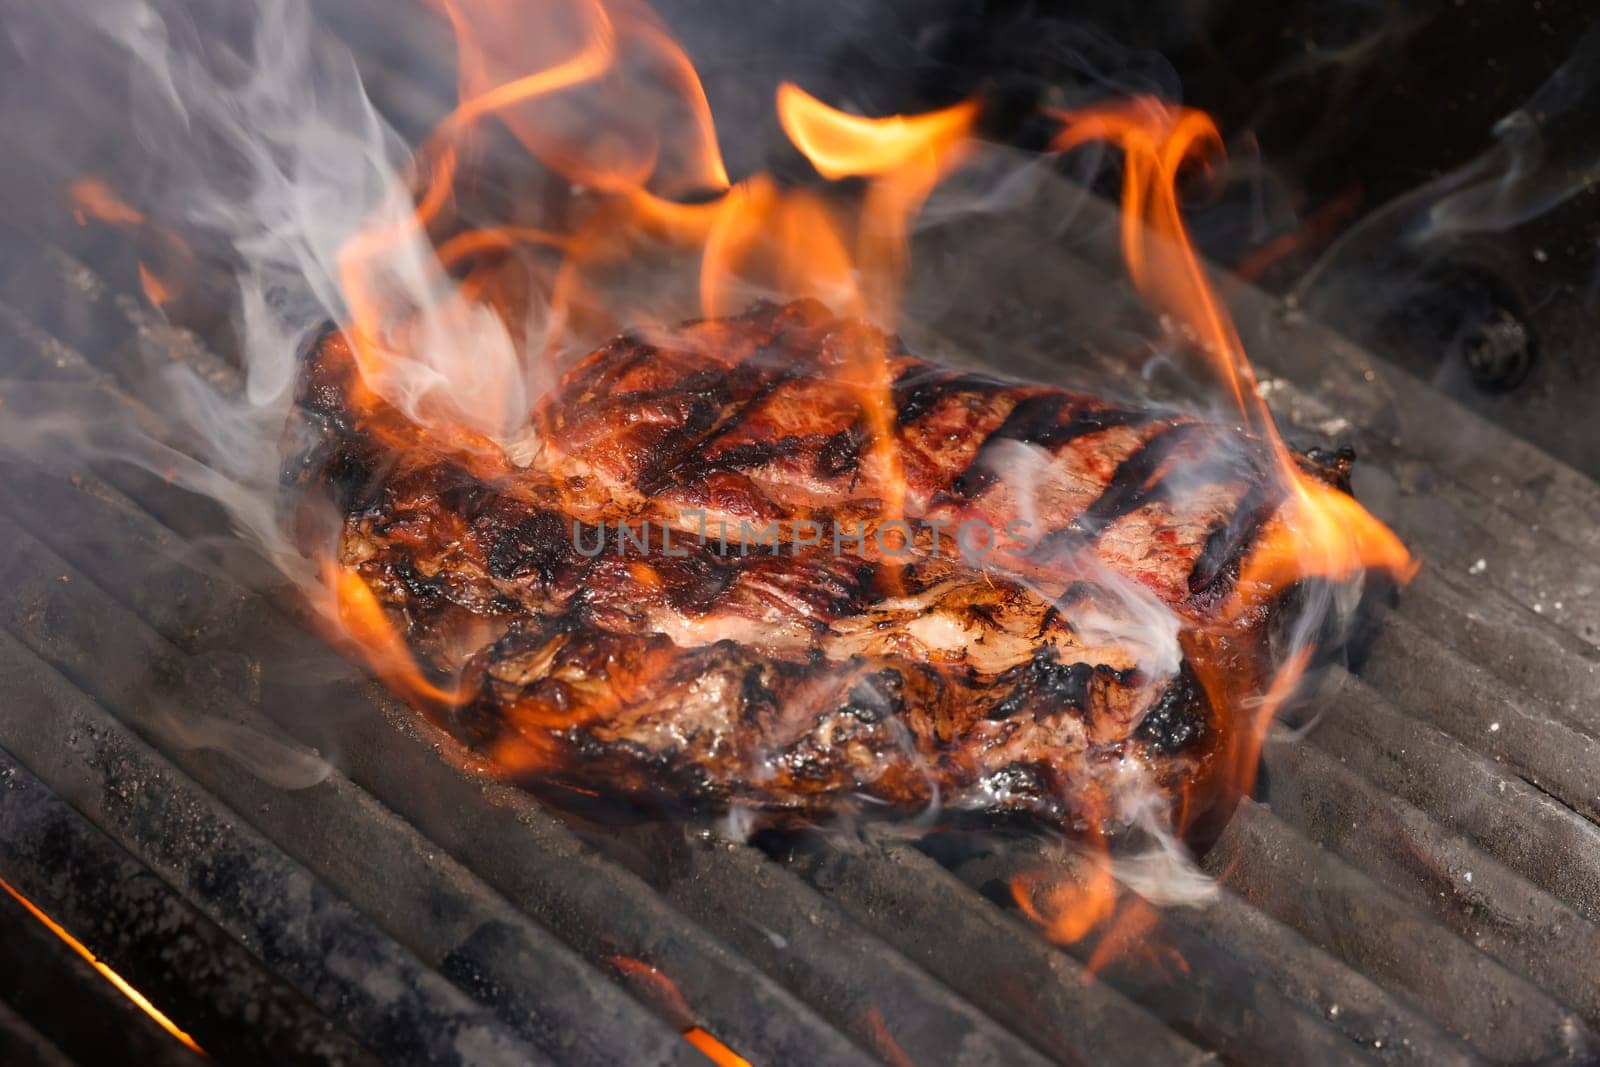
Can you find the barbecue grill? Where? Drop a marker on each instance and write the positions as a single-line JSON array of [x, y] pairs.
[[293, 867]]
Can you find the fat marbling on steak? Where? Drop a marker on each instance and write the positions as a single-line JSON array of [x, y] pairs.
[[804, 672]]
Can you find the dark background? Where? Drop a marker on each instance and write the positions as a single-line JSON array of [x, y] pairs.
[[1332, 110]]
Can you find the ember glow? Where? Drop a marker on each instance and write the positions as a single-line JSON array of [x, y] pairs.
[[714, 1050], [121, 984], [654, 986]]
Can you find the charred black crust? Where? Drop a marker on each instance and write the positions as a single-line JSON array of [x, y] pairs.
[[1025, 780], [540, 544], [321, 387], [1045, 684], [1180, 719], [877, 697], [465, 495], [425, 592], [757, 700], [1331, 465], [323, 448], [841, 453]]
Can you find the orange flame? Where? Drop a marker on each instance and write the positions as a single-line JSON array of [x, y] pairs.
[[362, 619], [1325, 533], [1069, 903], [157, 290], [883, 1042], [121, 984], [92, 198], [905, 157], [1319, 532], [605, 99], [841, 145], [1136, 930]]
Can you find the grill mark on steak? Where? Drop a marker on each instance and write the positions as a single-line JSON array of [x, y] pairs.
[[707, 393], [919, 390], [1138, 481], [1037, 421], [1227, 542]]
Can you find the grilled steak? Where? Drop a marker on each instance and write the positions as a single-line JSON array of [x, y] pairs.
[[710, 578]]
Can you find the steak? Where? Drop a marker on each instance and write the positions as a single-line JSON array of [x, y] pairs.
[[719, 573]]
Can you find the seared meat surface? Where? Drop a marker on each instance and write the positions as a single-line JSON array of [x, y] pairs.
[[716, 574]]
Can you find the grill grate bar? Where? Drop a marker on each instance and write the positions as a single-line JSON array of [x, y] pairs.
[[423, 901], [22, 1045], [1503, 1016], [1391, 1027], [288, 919], [1464, 535], [1419, 674], [1515, 644], [144, 931], [1482, 900], [1508, 817], [807, 942], [988, 957], [1217, 996], [78, 1014]]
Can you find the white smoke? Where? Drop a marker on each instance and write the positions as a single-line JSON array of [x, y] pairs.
[[1545, 152], [1129, 616], [264, 142]]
